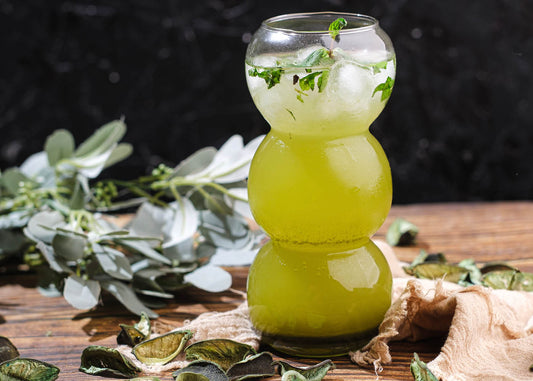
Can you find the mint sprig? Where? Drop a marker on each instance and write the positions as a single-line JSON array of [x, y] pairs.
[[336, 26]]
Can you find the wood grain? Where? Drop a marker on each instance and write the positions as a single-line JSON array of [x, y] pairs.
[[49, 329]]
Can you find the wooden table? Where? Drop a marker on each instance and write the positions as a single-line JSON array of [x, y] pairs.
[[49, 329]]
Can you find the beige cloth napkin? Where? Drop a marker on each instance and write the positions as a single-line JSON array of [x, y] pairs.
[[489, 332]]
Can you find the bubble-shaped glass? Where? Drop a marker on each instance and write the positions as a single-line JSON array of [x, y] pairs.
[[320, 183]]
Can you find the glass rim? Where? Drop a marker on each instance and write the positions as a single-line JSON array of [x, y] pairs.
[[372, 22]]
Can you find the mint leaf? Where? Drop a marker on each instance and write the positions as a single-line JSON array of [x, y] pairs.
[[308, 82], [385, 88], [319, 57], [376, 68], [271, 76], [336, 26], [322, 80]]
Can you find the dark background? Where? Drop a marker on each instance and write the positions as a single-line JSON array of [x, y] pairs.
[[457, 127]]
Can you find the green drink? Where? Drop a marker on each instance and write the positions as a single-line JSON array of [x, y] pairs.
[[320, 183]]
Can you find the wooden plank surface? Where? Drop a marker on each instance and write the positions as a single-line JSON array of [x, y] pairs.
[[49, 329]]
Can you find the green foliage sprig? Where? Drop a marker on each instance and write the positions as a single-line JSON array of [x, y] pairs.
[[55, 214]]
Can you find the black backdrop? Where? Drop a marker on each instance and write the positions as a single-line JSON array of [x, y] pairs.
[[459, 125]]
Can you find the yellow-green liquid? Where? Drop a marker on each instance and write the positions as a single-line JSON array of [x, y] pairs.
[[320, 186]]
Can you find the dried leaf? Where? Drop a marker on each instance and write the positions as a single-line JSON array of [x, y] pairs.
[[312, 373], [401, 232], [200, 371], [509, 280], [260, 365], [23, 369], [450, 273], [102, 361], [129, 335], [496, 266], [162, 349], [293, 375], [222, 352], [420, 371], [7, 350]]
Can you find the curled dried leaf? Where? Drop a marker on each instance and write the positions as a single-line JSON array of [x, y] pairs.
[[102, 361], [134, 334], [401, 232], [162, 349], [7, 350], [23, 369], [200, 371], [223, 352], [420, 371], [450, 273], [256, 366], [311, 373]]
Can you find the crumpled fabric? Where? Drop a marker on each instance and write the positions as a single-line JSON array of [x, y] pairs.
[[489, 333]]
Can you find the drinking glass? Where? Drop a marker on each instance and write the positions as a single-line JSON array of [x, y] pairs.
[[320, 183]]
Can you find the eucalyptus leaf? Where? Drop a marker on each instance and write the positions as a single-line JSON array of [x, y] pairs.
[[125, 295], [81, 293], [91, 166], [223, 352], [401, 232], [113, 262], [146, 279], [199, 371], [184, 221], [37, 165], [11, 242], [58, 265], [7, 350], [162, 349], [180, 251], [237, 200], [225, 257], [142, 247], [11, 180], [77, 199], [69, 247], [256, 366], [58, 146], [24, 369], [209, 278], [15, 219], [228, 232], [102, 139], [311, 373], [41, 225], [119, 153], [102, 361], [420, 370], [195, 163]]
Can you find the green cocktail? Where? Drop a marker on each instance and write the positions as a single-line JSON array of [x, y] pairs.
[[320, 183]]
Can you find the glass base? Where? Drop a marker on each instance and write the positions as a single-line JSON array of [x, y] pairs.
[[319, 347]]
